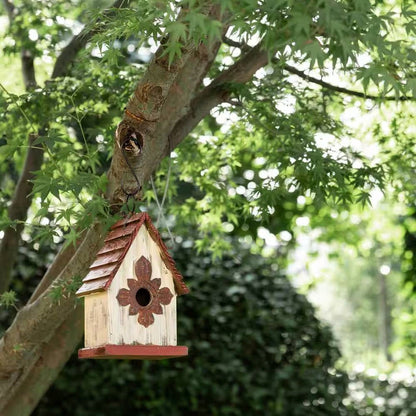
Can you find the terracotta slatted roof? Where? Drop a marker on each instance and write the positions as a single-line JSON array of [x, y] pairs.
[[116, 245]]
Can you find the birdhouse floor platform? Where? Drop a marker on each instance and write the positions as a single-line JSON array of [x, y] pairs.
[[134, 352]]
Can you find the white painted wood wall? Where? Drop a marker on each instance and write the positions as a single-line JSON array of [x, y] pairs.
[[107, 322], [96, 319]]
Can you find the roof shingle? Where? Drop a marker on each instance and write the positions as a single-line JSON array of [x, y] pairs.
[[116, 245]]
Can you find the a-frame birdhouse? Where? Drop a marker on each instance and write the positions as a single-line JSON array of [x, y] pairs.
[[130, 295]]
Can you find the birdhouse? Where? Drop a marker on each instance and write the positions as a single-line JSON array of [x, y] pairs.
[[130, 295]]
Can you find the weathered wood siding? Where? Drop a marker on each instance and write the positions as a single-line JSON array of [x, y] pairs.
[[124, 328], [96, 319]]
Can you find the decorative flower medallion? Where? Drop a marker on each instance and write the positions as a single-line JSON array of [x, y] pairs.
[[144, 294]]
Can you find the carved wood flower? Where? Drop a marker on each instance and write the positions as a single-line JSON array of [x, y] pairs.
[[144, 294]]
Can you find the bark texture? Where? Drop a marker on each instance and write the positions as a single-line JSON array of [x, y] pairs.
[[34, 158], [18, 212], [38, 323], [159, 100], [52, 357]]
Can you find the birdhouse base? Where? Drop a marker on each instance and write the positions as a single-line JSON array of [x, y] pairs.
[[134, 352]]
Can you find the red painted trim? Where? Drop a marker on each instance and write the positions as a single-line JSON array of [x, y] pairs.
[[132, 235], [180, 286], [134, 352]]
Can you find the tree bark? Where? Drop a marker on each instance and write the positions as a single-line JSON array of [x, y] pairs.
[[51, 359], [18, 212], [36, 324], [158, 101], [385, 318]]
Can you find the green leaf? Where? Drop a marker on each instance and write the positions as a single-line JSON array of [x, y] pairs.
[[8, 299]]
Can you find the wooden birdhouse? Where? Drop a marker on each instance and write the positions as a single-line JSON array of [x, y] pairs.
[[130, 295]]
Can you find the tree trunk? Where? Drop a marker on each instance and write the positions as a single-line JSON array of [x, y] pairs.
[[385, 318], [18, 212], [52, 357]]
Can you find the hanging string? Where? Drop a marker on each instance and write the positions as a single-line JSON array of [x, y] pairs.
[[139, 186], [161, 211], [160, 206], [165, 192]]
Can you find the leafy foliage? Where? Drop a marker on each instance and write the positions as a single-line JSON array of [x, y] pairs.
[[381, 394], [8, 299], [286, 135]]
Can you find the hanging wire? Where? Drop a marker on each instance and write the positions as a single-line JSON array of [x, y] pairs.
[[165, 192], [160, 205], [161, 214], [139, 186]]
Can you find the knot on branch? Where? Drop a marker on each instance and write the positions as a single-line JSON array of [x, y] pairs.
[[129, 139], [148, 101]]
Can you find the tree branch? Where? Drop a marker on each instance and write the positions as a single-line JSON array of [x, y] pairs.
[[18, 212], [341, 90], [51, 358], [28, 70], [218, 92], [160, 97], [35, 325], [78, 42], [324, 84]]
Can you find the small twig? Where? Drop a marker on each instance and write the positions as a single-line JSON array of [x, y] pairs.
[[17, 105], [78, 120], [234, 44], [324, 84], [341, 90]]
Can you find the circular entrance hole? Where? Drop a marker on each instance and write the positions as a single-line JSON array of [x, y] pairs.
[[143, 297]]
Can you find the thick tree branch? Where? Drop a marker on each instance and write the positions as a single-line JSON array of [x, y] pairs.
[[67, 56], [18, 211], [35, 324], [158, 101], [51, 358], [218, 92]]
